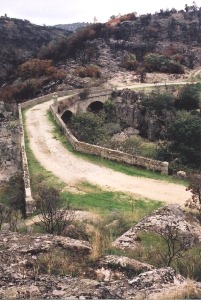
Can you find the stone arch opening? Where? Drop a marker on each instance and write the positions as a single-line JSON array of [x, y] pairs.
[[67, 116], [95, 107]]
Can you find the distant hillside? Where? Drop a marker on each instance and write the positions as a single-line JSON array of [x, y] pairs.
[[168, 42], [21, 40], [72, 27]]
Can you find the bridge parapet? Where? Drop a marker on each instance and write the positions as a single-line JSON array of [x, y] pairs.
[[74, 104]]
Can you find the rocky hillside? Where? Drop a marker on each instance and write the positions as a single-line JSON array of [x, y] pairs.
[[53, 267], [20, 41], [168, 42], [72, 27]]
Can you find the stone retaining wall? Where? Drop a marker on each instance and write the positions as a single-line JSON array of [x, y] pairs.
[[116, 155], [30, 203]]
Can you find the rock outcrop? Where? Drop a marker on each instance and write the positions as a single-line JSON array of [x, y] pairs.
[[146, 121], [22, 277], [10, 153], [171, 216], [113, 267]]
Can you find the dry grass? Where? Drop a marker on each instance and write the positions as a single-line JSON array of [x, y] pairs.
[[185, 291]]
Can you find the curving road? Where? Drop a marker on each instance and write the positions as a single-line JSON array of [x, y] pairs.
[[54, 157]]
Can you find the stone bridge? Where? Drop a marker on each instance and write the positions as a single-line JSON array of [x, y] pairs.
[[72, 105]]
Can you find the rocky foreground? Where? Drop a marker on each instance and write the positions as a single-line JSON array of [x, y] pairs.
[[32, 267]]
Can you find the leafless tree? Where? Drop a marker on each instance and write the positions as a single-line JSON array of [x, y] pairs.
[[53, 219], [175, 243]]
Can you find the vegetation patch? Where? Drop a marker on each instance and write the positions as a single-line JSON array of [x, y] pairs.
[[105, 201]]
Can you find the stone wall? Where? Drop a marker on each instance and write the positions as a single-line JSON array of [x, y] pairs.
[[30, 203], [115, 155]]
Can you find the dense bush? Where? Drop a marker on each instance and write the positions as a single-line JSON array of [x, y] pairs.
[[109, 109], [35, 75], [21, 91], [88, 127], [132, 145], [158, 102], [84, 94], [189, 97], [184, 135], [36, 68], [159, 63], [129, 62], [16, 193], [128, 17], [90, 71]]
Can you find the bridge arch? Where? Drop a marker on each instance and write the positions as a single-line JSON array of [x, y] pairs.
[[66, 116], [95, 106]]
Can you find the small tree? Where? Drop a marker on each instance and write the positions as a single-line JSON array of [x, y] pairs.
[[189, 97], [16, 193], [184, 135], [53, 219], [109, 108], [132, 145], [158, 102], [88, 127], [174, 244]]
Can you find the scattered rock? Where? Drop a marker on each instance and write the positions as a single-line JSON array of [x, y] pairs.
[[181, 174], [157, 278], [113, 267]]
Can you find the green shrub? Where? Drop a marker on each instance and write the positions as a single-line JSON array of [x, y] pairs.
[[132, 145], [158, 102], [149, 150], [88, 127], [109, 108], [130, 62], [160, 63], [84, 94], [184, 135], [189, 97], [112, 128]]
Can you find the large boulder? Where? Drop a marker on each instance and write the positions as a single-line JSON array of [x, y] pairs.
[[168, 217], [113, 267]]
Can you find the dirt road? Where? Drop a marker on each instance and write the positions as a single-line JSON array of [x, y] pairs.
[[54, 157]]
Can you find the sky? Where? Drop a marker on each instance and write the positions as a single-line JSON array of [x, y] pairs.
[[52, 12]]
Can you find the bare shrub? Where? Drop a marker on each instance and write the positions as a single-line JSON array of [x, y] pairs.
[[175, 244], [53, 219], [3, 214]]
